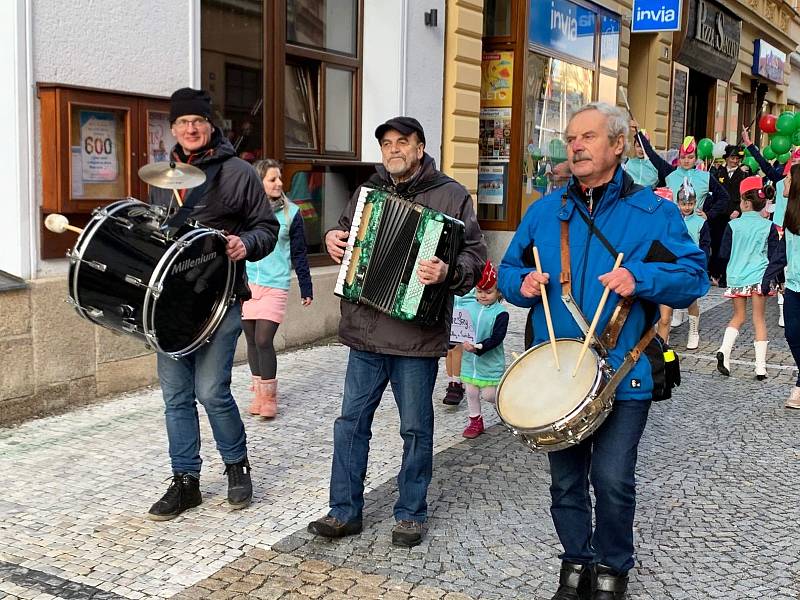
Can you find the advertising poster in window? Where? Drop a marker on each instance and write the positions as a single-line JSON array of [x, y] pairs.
[[495, 134], [159, 136], [497, 75], [98, 146], [491, 184]]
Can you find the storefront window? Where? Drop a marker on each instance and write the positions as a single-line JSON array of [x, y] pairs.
[[609, 42], [563, 26], [496, 18], [232, 71], [607, 88], [323, 24], [555, 90], [338, 92]]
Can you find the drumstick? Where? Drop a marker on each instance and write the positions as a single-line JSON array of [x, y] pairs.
[[596, 318], [59, 224], [177, 197], [547, 309]]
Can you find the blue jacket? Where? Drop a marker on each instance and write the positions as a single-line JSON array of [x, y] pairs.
[[666, 264]]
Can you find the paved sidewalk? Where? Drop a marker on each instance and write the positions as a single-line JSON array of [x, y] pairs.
[[718, 516]]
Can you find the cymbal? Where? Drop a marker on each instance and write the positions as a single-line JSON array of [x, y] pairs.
[[171, 175]]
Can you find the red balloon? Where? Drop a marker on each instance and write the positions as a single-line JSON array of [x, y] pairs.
[[767, 123]]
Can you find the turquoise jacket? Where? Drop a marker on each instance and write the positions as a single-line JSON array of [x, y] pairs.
[[756, 254], [491, 364], [642, 171], [275, 269], [698, 180], [792, 260], [781, 202], [667, 267]]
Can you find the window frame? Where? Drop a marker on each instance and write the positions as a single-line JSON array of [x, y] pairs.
[[278, 53]]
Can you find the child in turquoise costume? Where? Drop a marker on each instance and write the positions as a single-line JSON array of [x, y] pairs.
[[756, 257], [791, 236], [639, 167], [483, 362], [700, 233], [712, 199]]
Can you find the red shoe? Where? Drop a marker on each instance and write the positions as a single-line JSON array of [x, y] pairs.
[[475, 428]]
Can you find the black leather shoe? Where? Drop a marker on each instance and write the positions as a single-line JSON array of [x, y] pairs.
[[407, 534], [608, 585], [183, 493], [574, 582], [331, 527], [240, 486]]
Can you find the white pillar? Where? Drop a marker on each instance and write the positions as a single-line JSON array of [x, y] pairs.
[[17, 251]]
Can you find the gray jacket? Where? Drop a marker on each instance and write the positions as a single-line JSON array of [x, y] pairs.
[[366, 329]]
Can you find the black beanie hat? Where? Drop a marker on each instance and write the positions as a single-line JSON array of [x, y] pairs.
[[187, 101]]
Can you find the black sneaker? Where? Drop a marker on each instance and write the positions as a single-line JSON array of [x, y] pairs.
[[240, 486], [407, 534], [454, 394], [331, 527], [183, 493]]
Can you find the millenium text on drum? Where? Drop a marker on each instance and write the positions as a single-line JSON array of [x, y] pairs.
[[190, 263]]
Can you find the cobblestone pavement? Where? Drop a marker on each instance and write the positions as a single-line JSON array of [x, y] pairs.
[[717, 517]]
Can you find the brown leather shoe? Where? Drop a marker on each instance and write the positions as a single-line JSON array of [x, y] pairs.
[[331, 527], [407, 534]]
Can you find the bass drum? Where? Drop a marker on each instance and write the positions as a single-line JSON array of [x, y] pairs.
[[549, 409], [169, 287]]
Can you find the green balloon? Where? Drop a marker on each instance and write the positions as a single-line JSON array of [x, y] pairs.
[[705, 148], [747, 152], [557, 149], [780, 144], [796, 136], [783, 158], [796, 120], [768, 153], [785, 124], [752, 163]]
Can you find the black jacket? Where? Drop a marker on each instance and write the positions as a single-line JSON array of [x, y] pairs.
[[731, 185], [234, 202], [369, 330]]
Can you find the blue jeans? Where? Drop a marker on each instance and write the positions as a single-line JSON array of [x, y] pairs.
[[791, 318], [412, 381], [607, 459], [206, 375]]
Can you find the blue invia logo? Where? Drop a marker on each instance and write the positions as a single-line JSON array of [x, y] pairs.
[[656, 15]]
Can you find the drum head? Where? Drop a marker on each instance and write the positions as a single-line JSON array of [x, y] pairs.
[[196, 286], [534, 394]]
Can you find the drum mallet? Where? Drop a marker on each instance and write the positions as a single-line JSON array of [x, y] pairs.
[[59, 224], [546, 304], [593, 326], [177, 197]]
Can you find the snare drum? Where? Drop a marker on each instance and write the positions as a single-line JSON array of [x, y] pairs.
[[550, 409], [169, 287]]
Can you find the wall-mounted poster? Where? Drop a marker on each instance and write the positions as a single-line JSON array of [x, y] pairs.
[[491, 184], [98, 146], [497, 74], [494, 138], [159, 136]]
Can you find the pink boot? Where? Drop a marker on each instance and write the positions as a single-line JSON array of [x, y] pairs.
[[255, 403], [268, 388]]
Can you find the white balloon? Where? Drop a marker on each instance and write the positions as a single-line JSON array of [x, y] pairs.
[[719, 149]]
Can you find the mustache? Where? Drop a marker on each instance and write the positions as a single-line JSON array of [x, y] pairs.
[[578, 156]]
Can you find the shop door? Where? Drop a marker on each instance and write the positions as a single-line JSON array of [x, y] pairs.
[[701, 97]]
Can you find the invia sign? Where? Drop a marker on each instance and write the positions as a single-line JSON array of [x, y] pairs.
[[656, 15], [563, 26]]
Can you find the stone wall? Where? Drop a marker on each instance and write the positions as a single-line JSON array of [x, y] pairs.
[[55, 360]]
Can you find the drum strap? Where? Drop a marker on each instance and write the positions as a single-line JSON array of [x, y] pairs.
[[610, 334], [193, 197]]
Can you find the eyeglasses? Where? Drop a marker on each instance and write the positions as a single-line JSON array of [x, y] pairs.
[[184, 123]]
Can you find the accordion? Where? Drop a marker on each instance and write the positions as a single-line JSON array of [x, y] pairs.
[[388, 238]]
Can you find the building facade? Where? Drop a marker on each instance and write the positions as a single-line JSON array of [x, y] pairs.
[[303, 81]]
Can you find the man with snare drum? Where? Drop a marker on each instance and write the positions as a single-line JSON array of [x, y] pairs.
[[661, 265]]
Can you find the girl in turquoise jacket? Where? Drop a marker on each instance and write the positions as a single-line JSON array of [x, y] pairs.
[[756, 257], [791, 293], [483, 363], [269, 285]]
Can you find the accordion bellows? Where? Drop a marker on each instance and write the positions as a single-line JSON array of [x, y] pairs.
[[388, 238]]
